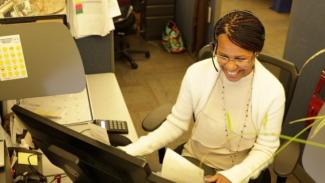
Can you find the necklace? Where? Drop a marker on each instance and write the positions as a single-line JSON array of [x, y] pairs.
[[228, 126]]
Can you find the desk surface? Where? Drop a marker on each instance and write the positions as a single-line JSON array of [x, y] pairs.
[[107, 101]]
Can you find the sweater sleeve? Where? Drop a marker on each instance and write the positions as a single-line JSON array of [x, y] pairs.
[[157, 139], [175, 125], [267, 142]]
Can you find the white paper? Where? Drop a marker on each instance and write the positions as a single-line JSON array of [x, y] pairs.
[[92, 17], [177, 168], [113, 8], [12, 61], [63, 109], [99, 133]]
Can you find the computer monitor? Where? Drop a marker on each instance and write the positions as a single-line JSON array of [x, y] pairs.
[[82, 158]]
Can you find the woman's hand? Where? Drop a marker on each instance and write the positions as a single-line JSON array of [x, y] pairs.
[[217, 178]]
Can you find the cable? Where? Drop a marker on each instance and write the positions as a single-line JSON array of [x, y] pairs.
[[58, 176], [213, 56], [42, 178], [84, 130]]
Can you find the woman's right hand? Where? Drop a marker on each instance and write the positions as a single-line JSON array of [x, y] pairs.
[[217, 178]]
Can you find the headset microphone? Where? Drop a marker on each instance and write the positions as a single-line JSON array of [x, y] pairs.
[[214, 46]]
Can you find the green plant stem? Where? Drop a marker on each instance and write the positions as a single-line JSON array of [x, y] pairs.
[[308, 142]]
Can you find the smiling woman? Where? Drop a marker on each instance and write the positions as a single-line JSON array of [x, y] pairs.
[[235, 61], [230, 103]]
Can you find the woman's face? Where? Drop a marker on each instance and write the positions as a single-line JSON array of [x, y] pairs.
[[235, 61]]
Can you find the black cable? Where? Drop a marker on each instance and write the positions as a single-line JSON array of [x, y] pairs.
[[213, 61], [42, 178]]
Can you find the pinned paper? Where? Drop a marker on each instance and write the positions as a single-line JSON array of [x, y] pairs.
[[27, 158], [12, 61]]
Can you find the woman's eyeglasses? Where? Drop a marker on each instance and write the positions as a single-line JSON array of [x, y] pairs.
[[226, 59]]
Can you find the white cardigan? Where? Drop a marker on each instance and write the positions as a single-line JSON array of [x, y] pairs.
[[268, 100]]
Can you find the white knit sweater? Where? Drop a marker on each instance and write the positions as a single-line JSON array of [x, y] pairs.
[[268, 100]]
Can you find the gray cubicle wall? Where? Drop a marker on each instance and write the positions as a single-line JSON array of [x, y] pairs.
[[184, 20], [185, 16], [306, 36], [97, 53]]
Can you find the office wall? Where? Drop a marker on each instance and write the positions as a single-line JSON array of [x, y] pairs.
[[192, 19], [184, 17], [306, 36], [306, 33], [97, 53]]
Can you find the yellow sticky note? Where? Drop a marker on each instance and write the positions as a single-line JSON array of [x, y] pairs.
[[23, 158]]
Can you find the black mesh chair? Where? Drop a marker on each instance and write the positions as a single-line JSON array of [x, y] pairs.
[[125, 25]]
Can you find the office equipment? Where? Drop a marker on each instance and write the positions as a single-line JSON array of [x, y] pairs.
[[113, 126], [26, 164], [71, 151], [125, 24]]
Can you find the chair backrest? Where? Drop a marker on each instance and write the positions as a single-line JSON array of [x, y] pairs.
[[285, 71], [313, 158], [205, 52]]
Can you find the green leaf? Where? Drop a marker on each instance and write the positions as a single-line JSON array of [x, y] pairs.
[[265, 120], [321, 124], [228, 122], [306, 119]]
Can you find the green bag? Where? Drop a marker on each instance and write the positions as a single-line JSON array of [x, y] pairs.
[[172, 39]]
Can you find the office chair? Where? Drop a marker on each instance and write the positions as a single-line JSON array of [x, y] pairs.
[[288, 161], [285, 71], [125, 25], [287, 75], [312, 157]]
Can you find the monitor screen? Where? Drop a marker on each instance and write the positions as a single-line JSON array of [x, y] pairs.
[[82, 158]]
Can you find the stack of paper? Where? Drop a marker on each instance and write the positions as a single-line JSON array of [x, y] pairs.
[[178, 169], [91, 17]]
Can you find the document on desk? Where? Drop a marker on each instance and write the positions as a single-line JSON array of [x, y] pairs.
[[178, 169]]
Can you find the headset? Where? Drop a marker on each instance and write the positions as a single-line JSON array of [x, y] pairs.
[[214, 43]]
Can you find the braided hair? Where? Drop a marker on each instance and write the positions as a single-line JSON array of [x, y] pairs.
[[243, 29]]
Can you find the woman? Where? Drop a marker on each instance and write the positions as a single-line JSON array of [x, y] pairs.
[[238, 106]]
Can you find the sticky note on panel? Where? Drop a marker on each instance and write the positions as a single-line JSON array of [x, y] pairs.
[[12, 61], [27, 158]]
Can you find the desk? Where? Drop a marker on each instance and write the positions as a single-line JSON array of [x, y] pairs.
[[106, 102]]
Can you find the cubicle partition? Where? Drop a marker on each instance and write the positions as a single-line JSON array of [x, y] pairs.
[[97, 52]]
